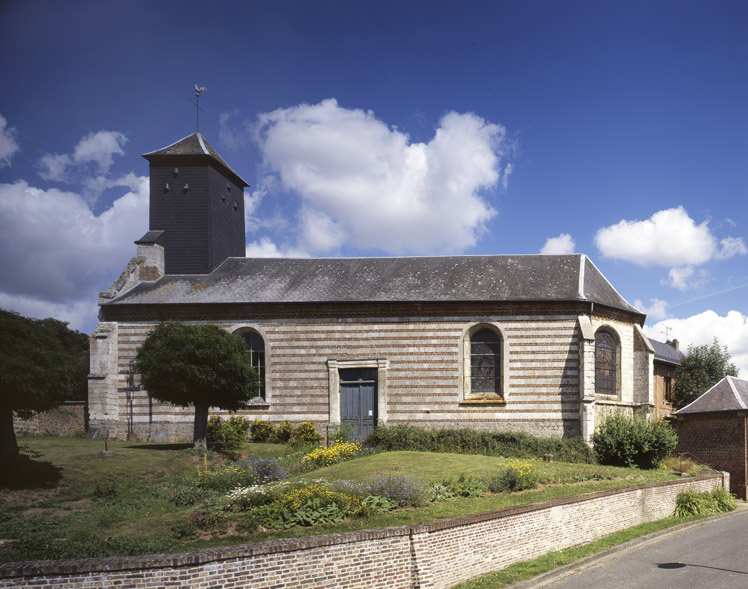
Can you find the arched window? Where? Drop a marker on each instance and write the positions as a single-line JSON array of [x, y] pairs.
[[485, 363], [256, 346], [606, 363]]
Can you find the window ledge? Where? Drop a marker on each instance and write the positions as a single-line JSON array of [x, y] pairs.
[[484, 401], [258, 403]]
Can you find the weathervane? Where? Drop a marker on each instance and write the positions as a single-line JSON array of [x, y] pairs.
[[198, 90]]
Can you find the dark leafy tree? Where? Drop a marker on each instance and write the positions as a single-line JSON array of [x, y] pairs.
[[702, 368], [200, 365], [42, 364]]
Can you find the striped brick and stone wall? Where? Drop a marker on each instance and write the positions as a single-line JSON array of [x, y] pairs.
[[430, 556], [421, 370]]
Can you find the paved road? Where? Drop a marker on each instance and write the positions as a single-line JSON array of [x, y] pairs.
[[712, 555]]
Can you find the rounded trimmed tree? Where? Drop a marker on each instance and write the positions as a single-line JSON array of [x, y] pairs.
[[200, 365]]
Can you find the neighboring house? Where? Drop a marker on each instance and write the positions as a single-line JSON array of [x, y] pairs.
[[667, 357], [713, 430], [540, 344]]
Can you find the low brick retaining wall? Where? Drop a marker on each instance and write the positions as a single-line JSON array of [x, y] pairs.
[[436, 555]]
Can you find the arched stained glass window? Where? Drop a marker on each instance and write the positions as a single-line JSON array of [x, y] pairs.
[[606, 363], [485, 362], [256, 346]]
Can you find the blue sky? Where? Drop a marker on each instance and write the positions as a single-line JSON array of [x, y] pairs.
[[617, 129]]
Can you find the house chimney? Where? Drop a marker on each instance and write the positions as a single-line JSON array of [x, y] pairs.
[[674, 343]]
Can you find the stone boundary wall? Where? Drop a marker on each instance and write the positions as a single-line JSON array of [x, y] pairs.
[[431, 556], [65, 420]]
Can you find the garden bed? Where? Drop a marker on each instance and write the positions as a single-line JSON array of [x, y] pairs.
[[91, 506]]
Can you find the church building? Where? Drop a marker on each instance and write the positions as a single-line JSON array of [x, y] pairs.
[[536, 343]]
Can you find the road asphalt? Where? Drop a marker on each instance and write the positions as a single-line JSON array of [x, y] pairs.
[[709, 553]]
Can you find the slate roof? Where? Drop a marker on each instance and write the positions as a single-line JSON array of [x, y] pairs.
[[665, 352], [404, 279], [193, 145], [729, 394]]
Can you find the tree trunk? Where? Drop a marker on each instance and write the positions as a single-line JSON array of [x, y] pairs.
[[201, 425], [8, 444]]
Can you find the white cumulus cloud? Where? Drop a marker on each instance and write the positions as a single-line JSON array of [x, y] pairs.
[[365, 184], [655, 311], [668, 238], [562, 244], [701, 329], [98, 149], [8, 143], [730, 247], [57, 254], [265, 248]]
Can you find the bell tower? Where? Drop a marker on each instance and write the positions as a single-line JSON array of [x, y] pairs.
[[196, 207]]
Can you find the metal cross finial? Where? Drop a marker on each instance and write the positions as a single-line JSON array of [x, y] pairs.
[[198, 90]]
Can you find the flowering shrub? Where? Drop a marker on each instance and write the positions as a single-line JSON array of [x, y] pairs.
[[309, 505], [223, 477], [516, 475], [284, 432], [306, 434], [339, 452], [266, 470], [261, 431], [399, 489], [245, 498]]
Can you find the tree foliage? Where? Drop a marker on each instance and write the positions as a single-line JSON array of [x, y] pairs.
[[42, 364], [702, 368], [200, 365]]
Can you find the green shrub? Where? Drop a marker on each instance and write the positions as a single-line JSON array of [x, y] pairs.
[[724, 500], [227, 436], [466, 485], [622, 440], [261, 431], [704, 503], [341, 432], [470, 441], [185, 530], [306, 434], [247, 524], [377, 505]]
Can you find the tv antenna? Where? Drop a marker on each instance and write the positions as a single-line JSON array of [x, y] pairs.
[[667, 331], [198, 91]]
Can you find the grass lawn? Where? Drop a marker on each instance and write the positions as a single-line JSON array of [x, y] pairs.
[[89, 506]]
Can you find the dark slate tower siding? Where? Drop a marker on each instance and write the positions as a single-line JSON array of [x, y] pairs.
[[197, 201]]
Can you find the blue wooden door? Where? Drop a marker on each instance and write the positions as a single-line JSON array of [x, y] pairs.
[[358, 400]]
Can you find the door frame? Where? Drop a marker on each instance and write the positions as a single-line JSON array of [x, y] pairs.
[[333, 372]]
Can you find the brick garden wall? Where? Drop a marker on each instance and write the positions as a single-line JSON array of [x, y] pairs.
[[436, 555], [720, 441]]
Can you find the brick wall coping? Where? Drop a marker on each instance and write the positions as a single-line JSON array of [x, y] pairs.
[[152, 561]]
